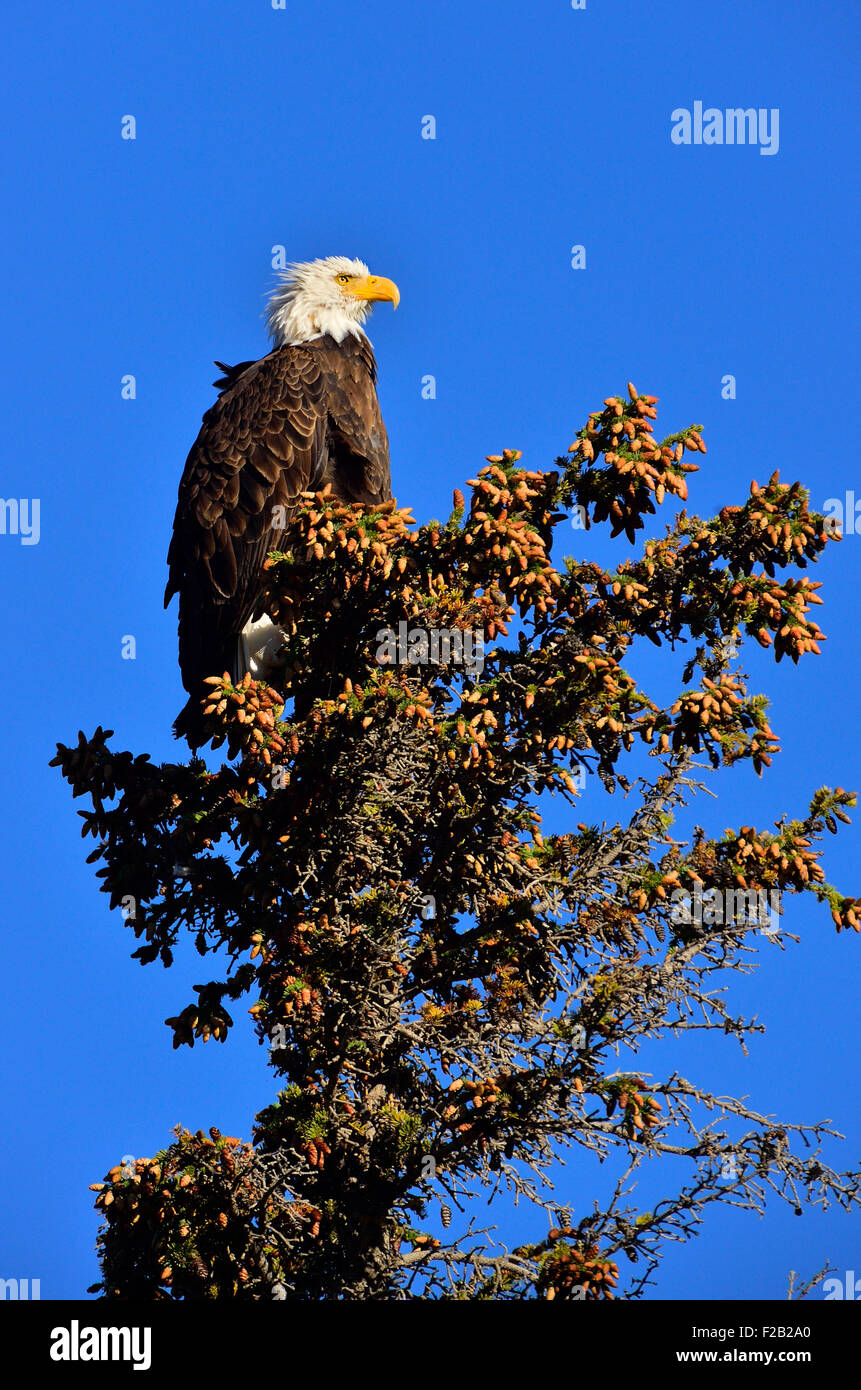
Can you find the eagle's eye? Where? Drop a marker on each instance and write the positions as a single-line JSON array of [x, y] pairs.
[[343, 279]]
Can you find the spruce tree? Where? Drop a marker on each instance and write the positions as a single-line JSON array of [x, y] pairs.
[[444, 983]]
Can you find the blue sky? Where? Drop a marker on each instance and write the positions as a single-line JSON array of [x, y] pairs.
[[301, 127]]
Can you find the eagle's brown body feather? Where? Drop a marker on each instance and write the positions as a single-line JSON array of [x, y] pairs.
[[303, 416]]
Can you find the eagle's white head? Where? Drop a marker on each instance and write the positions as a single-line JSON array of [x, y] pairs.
[[333, 295]]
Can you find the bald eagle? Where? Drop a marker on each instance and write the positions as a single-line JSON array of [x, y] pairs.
[[305, 415]]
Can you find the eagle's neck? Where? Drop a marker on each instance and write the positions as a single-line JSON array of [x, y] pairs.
[[293, 322]]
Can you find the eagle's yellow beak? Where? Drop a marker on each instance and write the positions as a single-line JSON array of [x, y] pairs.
[[374, 287]]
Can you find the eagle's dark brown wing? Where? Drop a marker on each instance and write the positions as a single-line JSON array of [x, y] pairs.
[[299, 418]]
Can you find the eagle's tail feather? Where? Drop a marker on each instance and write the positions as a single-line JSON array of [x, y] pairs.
[[189, 723]]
